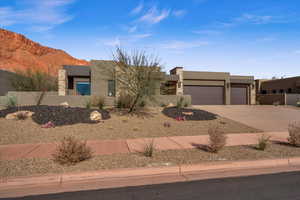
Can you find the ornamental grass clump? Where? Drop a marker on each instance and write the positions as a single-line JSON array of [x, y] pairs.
[[72, 151], [263, 142], [294, 134], [149, 149], [217, 139]]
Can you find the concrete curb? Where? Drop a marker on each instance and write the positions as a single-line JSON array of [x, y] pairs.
[[104, 179]]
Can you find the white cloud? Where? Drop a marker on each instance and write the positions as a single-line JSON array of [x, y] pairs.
[[39, 15], [180, 45], [132, 29], [154, 15], [179, 13], [141, 36], [138, 9], [113, 43]]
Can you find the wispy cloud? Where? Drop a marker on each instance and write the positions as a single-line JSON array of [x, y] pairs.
[[253, 19], [115, 42], [154, 15], [180, 45], [266, 39], [126, 40], [137, 9], [39, 15], [179, 13], [207, 32], [297, 52]]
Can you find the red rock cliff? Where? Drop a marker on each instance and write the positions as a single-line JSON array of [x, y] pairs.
[[19, 53]]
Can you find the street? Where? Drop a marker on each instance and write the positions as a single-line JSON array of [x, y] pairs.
[[273, 186]]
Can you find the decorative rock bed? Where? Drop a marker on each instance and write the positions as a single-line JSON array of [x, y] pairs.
[[58, 115], [188, 114]]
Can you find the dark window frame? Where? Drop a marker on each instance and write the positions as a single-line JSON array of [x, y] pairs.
[[111, 88]]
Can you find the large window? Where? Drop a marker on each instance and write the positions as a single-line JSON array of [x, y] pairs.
[[111, 88], [83, 88]]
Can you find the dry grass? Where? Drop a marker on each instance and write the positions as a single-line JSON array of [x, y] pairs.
[[71, 151], [146, 125], [28, 167], [217, 139], [294, 132]]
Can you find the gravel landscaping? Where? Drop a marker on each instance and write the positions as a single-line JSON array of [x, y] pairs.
[[58, 115], [150, 124], [27, 167], [189, 114]]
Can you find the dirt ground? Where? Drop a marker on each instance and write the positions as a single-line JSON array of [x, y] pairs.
[[148, 124], [27, 167]]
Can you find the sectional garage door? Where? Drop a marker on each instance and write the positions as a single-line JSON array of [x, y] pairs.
[[238, 95], [205, 95]]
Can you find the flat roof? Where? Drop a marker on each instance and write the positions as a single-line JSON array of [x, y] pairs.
[[77, 70]]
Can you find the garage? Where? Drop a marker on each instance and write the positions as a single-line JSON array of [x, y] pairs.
[[238, 95], [205, 95]]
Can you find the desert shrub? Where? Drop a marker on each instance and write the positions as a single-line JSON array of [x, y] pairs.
[[98, 102], [88, 104], [217, 139], [30, 80], [149, 149], [294, 134], [21, 116], [11, 101], [163, 105], [124, 101], [167, 124], [142, 104], [263, 142], [180, 103], [71, 151]]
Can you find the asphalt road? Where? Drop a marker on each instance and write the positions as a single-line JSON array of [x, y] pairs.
[[274, 187]]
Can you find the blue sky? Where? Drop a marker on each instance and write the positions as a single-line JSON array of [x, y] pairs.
[[249, 37]]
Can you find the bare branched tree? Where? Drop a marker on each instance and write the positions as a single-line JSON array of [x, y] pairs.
[[137, 75]]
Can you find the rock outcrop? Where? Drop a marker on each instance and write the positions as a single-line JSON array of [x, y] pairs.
[[19, 53]]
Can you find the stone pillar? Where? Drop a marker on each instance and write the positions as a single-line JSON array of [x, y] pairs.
[[252, 88], [179, 86], [227, 91], [62, 82]]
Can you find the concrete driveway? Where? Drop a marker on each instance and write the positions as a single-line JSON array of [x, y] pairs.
[[266, 118]]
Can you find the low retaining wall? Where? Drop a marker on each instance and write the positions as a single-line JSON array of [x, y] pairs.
[[292, 99], [166, 99], [270, 99], [52, 98]]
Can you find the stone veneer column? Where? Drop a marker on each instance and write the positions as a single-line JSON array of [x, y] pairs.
[[252, 93], [179, 86], [62, 82]]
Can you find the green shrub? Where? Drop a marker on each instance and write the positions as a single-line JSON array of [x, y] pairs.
[[142, 104], [88, 104], [149, 149], [98, 102], [11, 101], [71, 151], [263, 142], [294, 134], [180, 103], [217, 139]]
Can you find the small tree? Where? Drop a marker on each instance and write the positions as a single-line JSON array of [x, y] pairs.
[[137, 75]]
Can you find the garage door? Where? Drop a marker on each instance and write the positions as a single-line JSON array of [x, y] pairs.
[[238, 95], [205, 95]]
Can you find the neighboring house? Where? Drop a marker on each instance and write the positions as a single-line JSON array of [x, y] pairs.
[[279, 86], [205, 88], [5, 82]]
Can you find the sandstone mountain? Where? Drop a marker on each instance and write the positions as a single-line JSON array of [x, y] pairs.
[[19, 53]]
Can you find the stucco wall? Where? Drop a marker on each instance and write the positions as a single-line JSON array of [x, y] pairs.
[[5, 82], [270, 99], [166, 99], [292, 99]]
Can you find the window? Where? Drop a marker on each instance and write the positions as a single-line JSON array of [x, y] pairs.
[[281, 91], [83, 88], [264, 91], [290, 90], [111, 88], [274, 91]]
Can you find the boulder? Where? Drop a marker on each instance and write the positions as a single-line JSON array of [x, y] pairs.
[[65, 104], [14, 116], [95, 116], [170, 105]]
